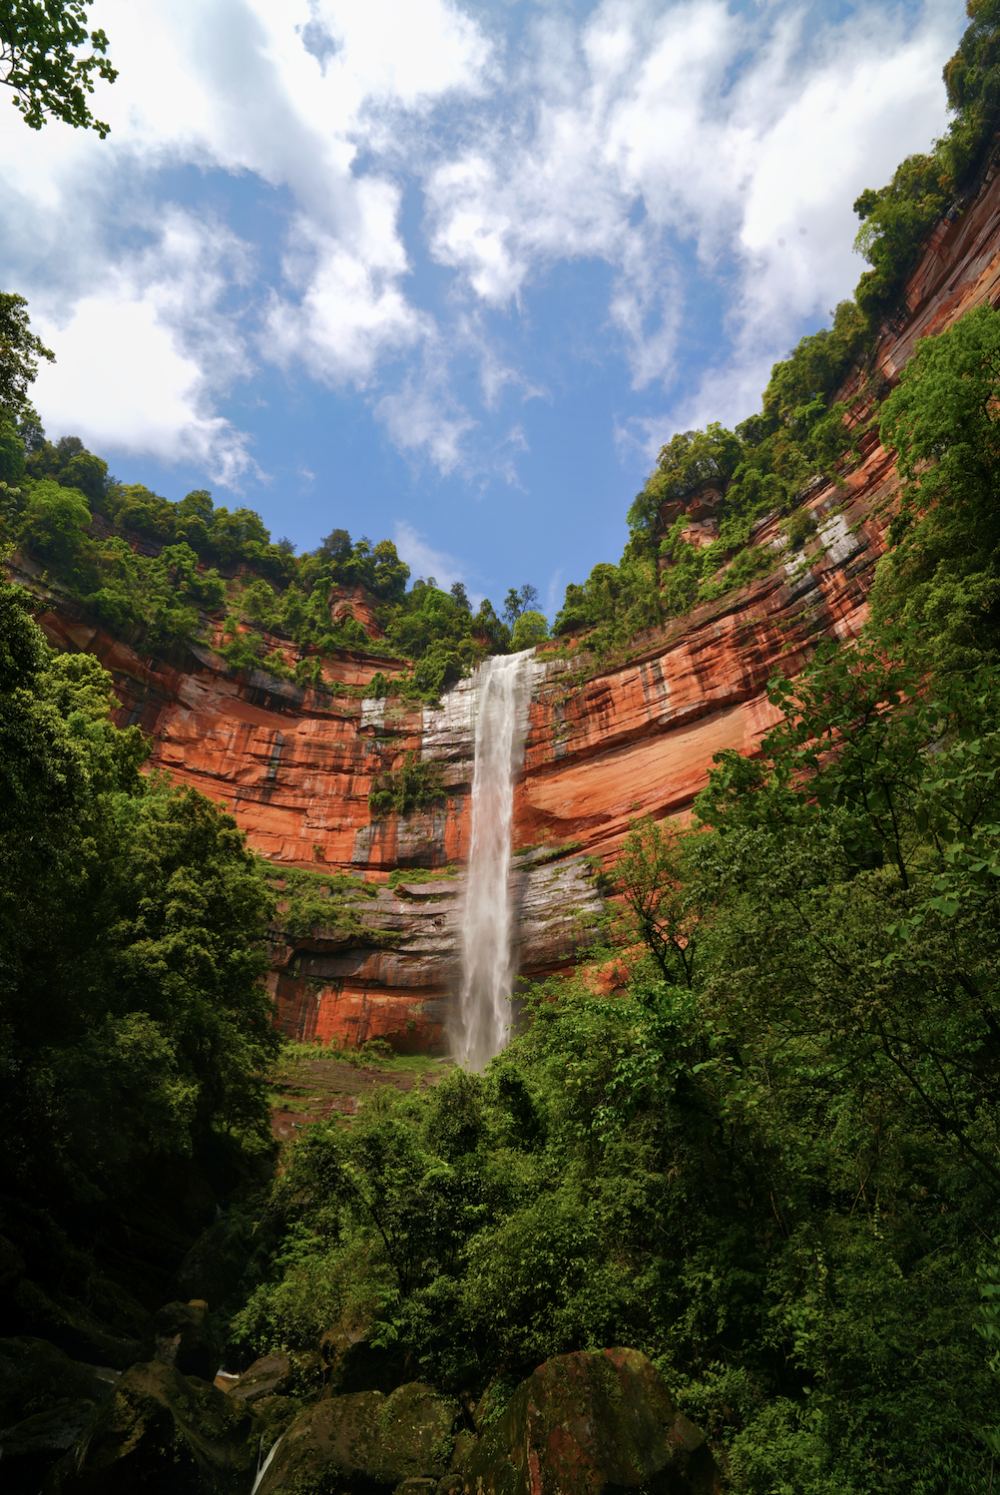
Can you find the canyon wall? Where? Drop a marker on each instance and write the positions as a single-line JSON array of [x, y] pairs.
[[294, 766]]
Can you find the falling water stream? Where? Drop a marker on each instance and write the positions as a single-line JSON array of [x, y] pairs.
[[501, 699]]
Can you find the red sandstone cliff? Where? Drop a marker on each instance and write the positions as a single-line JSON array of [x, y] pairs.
[[295, 767]]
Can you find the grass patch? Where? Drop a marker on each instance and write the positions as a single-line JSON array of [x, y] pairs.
[[418, 875]]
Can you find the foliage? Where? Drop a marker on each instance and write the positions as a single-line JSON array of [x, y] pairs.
[[415, 785], [664, 915], [418, 875], [894, 222], [516, 603], [311, 900], [688, 460], [134, 1028], [530, 628], [770, 1167], [943, 569], [615, 601], [40, 42], [20, 351]]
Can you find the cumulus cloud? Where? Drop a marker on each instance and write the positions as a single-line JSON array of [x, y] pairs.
[[141, 356], [352, 311], [651, 130], [682, 146], [419, 417]]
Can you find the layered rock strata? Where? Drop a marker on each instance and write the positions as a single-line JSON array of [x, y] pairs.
[[604, 745]]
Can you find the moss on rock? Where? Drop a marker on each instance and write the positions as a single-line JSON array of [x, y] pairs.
[[588, 1422], [163, 1433], [363, 1442]]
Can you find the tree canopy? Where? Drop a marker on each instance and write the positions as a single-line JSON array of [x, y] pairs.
[[44, 62]]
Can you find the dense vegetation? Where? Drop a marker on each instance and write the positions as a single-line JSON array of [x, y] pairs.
[[770, 1158], [134, 1030], [773, 1163], [167, 573]]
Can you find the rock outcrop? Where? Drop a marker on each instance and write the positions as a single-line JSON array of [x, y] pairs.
[[166, 1433], [604, 745], [588, 1422], [581, 1423], [364, 1440]]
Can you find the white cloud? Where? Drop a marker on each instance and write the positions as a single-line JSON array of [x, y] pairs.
[[666, 140], [139, 358], [643, 140], [352, 312], [229, 85], [424, 561], [418, 417]]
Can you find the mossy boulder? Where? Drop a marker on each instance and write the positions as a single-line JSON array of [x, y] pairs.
[[35, 1376], [363, 1442], [590, 1422], [46, 1401], [30, 1448], [164, 1434], [182, 1336], [73, 1327], [354, 1364]]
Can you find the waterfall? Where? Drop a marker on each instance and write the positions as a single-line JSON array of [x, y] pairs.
[[501, 698]]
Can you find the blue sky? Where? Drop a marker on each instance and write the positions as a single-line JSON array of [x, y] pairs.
[[451, 274]]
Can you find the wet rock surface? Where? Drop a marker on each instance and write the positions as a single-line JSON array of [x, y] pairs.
[[270, 1376]]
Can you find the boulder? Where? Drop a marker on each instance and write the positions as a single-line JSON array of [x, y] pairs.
[[32, 1446], [73, 1327], [588, 1422], [364, 1440], [353, 1364], [269, 1376], [164, 1434], [183, 1338], [35, 1376]]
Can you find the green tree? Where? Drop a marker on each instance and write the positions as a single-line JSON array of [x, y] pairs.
[[531, 628], [942, 572], [54, 522], [664, 911], [518, 602], [20, 351], [41, 56], [133, 1020]]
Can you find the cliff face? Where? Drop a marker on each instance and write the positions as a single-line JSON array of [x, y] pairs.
[[295, 766]]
